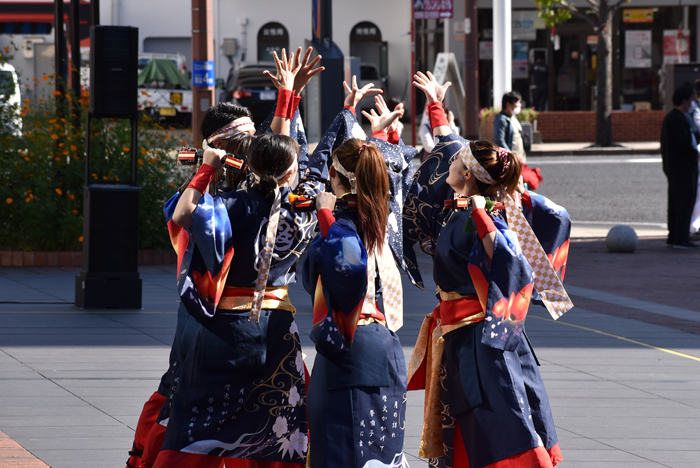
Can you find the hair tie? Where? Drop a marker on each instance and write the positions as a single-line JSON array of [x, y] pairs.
[[505, 160], [364, 145]]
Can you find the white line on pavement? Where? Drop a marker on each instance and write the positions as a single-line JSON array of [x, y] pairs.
[[631, 223]]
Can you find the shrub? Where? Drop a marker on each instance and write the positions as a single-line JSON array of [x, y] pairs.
[[43, 172]]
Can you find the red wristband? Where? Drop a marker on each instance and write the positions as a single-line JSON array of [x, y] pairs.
[[350, 108], [201, 179], [325, 220], [394, 137], [293, 106], [381, 135], [436, 114], [484, 223], [284, 102], [527, 201]]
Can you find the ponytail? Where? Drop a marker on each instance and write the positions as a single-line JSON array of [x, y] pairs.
[[372, 182], [505, 173]]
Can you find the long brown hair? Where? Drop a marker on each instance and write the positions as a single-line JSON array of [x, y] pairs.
[[372, 181], [486, 153]]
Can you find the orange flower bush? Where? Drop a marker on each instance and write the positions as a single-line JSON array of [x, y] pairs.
[[45, 165]]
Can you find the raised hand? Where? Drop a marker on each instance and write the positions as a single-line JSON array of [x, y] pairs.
[[214, 157], [306, 70], [385, 119], [286, 71], [356, 94], [383, 110], [434, 92]]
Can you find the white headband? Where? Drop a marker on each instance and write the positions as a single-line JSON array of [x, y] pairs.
[[348, 175], [240, 125], [473, 165]]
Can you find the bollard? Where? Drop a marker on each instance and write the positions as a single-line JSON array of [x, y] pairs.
[[621, 238]]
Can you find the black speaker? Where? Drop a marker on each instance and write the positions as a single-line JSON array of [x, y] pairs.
[[114, 71], [110, 278]]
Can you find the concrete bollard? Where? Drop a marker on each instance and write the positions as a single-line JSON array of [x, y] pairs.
[[621, 238]]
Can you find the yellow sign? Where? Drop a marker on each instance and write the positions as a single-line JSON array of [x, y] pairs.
[[176, 99], [168, 111], [638, 15]]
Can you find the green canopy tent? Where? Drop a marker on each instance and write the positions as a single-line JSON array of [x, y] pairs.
[[162, 73]]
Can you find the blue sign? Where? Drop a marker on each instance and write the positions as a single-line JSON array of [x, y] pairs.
[[203, 73]]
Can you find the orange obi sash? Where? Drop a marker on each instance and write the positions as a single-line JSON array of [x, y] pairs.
[[237, 298], [454, 311], [369, 315]]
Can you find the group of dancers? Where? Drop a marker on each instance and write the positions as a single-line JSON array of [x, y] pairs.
[[237, 392]]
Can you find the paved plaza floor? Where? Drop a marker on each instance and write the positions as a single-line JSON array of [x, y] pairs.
[[622, 368]]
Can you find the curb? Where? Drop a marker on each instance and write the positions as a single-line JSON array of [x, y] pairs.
[[597, 152]]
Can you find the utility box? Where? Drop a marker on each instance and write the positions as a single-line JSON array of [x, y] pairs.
[[109, 278]]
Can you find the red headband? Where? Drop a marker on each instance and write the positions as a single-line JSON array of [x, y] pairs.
[[503, 157], [364, 145]]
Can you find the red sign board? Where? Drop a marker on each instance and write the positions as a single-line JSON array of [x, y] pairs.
[[432, 9]]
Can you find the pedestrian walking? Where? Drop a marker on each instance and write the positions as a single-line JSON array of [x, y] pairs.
[[539, 74], [503, 133], [680, 165]]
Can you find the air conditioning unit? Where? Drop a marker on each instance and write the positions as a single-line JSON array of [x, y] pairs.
[[28, 46]]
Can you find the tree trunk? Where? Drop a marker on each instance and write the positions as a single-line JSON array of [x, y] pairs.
[[604, 100]]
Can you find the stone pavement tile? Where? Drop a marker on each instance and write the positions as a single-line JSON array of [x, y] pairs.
[[47, 432], [54, 321], [654, 443], [609, 428], [416, 462], [13, 455], [48, 410], [567, 443], [31, 388], [99, 385], [66, 400], [681, 414], [670, 456], [594, 456], [97, 418], [66, 441], [84, 458], [130, 410], [146, 322]]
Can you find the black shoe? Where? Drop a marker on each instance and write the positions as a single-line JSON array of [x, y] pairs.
[[694, 236], [687, 246]]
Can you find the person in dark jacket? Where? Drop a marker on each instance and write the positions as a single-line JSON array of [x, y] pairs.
[[680, 164], [502, 126]]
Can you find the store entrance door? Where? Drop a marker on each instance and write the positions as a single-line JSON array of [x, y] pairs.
[[574, 68]]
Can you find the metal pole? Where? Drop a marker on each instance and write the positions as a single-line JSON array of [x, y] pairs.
[[502, 50], [59, 54], [95, 12], [413, 72], [202, 51], [75, 59], [471, 70]]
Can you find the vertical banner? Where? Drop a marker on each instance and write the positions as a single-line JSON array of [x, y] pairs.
[[637, 49], [520, 62], [432, 9], [676, 46]]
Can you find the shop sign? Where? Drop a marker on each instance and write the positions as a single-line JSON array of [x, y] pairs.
[[525, 24], [637, 49], [520, 63], [203, 73], [485, 50], [592, 39], [432, 9], [638, 15], [676, 46]]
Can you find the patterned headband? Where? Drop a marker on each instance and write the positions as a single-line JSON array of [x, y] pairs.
[[473, 165], [505, 160], [240, 125], [349, 175]]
